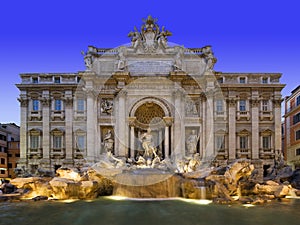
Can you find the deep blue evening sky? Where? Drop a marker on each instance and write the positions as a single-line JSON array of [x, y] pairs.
[[47, 36]]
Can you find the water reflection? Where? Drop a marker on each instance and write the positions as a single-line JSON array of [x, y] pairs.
[[106, 211]]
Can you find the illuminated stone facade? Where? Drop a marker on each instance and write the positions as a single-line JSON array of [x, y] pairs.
[[70, 119]]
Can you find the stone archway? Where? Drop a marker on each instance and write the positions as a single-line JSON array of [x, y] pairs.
[[154, 114]]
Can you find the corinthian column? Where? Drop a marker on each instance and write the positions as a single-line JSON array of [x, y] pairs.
[[232, 129], [45, 162], [121, 137], [255, 131], [69, 128], [168, 122], [178, 138], [131, 121], [277, 123], [90, 124], [23, 132], [209, 123]]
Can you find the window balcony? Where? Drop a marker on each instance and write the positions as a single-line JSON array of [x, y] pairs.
[[35, 115], [79, 153], [57, 153], [243, 153], [80, 115], [222, 154], [263, 115], [220, 115], [266, 153], [241, 115], [35, 153], [58, 114]]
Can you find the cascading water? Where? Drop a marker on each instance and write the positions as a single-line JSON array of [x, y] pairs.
[[202, 192]]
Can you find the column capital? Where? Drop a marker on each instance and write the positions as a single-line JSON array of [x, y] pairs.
[[168, 121], [277, 102], [45, 101], [231, 102], [122, 93], [178, 93], [210, 93], [68, 101], [23, 101], [90, 92], [254, 102], [131, 121]]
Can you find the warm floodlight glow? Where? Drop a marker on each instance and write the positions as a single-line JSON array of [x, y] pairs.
[[69, 200], [197, 201], [235, 197], [193, 201], [117, 198], [292, 197], [248, 205]]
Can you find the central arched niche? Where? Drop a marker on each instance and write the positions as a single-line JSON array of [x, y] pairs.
[[150, 113]]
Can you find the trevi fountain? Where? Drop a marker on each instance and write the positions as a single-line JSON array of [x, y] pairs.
[[158, 171]]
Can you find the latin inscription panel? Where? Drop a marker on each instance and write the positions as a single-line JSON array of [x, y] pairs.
[[149, 67]]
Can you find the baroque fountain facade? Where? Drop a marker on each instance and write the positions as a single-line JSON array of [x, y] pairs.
[[143, 112]]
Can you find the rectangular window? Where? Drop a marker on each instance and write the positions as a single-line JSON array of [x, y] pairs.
[[265, 80], [57, 105], [57, 80], [35, 105], [296, 118], [80, 105], [18, 155], [57, 142], [2, 171], [2, 161], [221, 80], [220, 142], [297, 134], [298, 151], [298, 100], [80, 142], [243, 142], [9, 155], [265, 105], [10, 165], [219, 105], [35, 80], [34, 142], [266, 142], [242, 80], [78, 79], [242, 105]]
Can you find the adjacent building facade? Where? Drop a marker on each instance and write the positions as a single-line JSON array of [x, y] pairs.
[[292, 128], [9, 138], [70, 119]]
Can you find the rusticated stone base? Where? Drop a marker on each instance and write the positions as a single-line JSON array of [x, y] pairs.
[[148, 185]]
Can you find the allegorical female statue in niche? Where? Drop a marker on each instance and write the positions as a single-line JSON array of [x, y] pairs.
[[108, 142], [191, 142]]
